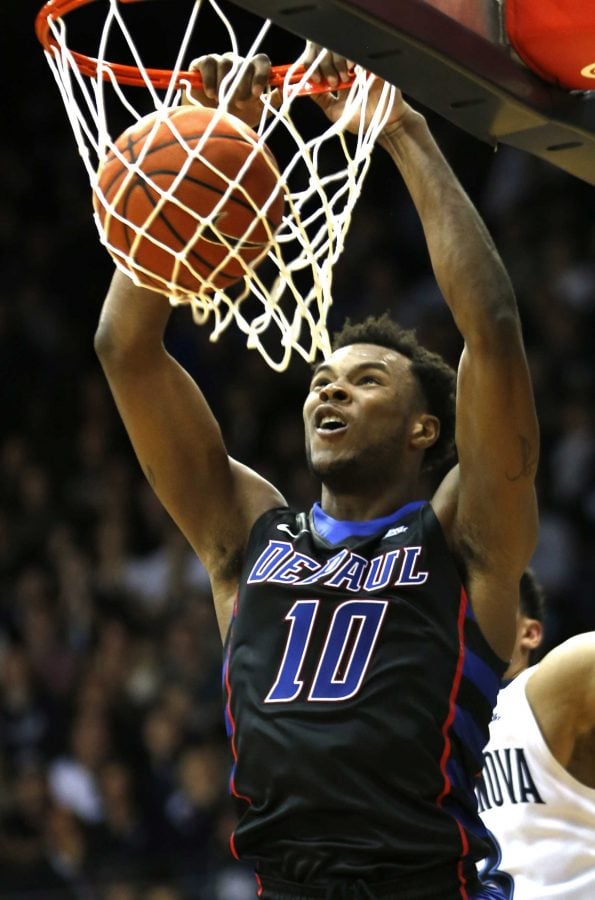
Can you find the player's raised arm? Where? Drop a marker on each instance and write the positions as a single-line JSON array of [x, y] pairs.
[[497, 438], [497, 432], [494, 526], [213, 499]]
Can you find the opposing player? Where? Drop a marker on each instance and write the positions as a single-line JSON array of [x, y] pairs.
[[366, 638], [537, 792]]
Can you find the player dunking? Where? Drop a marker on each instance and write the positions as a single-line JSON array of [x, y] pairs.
[[365, 640], [537, 792]]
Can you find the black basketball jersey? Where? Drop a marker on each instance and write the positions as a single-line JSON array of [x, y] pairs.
[[359, 691]]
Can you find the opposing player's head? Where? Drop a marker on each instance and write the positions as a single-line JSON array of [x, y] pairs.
[[530, 624], [380, 406]]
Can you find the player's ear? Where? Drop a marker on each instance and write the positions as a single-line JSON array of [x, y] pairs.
[[425, 431], [531, 633]]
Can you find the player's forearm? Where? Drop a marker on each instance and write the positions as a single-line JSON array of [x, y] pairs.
[[468, 269], [132, 322]]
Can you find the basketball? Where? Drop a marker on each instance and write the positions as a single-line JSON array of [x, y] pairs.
[[188, 200]]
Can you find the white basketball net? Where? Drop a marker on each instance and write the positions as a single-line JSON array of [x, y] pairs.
[[292, 290]]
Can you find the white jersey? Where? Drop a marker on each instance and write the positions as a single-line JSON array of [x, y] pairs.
[[542, 818]]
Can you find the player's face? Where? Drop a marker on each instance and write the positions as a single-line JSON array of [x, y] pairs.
[[359, 412]]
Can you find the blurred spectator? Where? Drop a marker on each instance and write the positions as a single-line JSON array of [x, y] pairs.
[[58, 870], [67, 857], [73, 776], [162, 738], [27, 715], [191, 813], [23, 820], [120, 842], [40, 627]]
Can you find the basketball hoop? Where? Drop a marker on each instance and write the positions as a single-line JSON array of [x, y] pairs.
[[321, 175]]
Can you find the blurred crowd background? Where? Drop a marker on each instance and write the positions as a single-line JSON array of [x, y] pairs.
[[113, 760]]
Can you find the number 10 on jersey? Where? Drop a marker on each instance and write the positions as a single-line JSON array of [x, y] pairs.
[[346, 654]]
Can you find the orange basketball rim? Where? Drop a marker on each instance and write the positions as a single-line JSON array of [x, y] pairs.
[[159, 78]]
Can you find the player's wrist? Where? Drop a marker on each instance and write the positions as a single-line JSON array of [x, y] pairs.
[[408, 122]]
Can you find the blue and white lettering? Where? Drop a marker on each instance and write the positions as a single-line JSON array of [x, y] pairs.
[[271, 556], [350, 575], [329, 566], [290, 569], [287, 685], [338, 678], [280, 563], [407, 575], [381, 570], [346, 655]]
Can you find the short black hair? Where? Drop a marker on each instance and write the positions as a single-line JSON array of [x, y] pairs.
[[435, 377], [532, 597]]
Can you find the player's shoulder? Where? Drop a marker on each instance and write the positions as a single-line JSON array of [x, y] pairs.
[[572, 656], [568, 669]]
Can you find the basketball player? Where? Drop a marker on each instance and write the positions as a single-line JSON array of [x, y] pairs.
[[365, 639], [537, 792]]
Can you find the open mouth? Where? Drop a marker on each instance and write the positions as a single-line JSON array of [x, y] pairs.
[[330, 423]]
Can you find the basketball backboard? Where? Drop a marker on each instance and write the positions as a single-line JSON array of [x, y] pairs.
[[452, 56]]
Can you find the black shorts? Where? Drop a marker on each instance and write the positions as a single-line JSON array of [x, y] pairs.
[[359, 890]]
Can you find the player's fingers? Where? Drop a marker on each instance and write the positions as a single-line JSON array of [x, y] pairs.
[[338, 67], [249, 77], [275, 98], [308, 57], [261, 73], [224, 66], [206, 66], [331, 67], [254, 79]]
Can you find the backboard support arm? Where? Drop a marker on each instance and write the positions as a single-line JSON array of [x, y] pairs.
[[461, 68]]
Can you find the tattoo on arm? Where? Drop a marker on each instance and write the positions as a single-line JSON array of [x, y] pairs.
[[528, 460]]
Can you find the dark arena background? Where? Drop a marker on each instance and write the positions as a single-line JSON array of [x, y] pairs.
[[113, 759]]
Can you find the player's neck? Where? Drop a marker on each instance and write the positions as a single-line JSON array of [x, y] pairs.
[[515, 668], [356, 507]]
